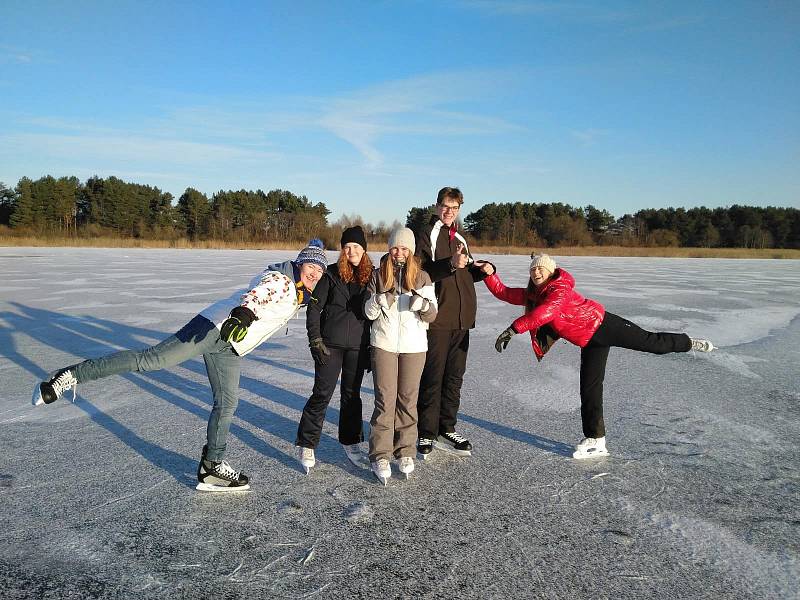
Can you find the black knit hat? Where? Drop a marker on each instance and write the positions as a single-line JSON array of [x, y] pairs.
[[354, 234]]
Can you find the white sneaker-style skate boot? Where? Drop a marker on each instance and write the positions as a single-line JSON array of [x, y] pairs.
[[382, 470], [406, 465], [702, 345], [50, 391], [590, 448], [306, 458]]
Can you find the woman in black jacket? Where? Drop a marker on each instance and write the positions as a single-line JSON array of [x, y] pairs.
[[338, 335]]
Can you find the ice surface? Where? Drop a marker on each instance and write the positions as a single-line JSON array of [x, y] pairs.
[[697, 500]]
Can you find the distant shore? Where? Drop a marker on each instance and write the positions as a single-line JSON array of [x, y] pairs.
[[777, 253]]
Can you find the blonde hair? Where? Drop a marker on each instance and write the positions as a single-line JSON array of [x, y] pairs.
[[412, 270]]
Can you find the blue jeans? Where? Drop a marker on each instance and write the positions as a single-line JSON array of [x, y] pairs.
[[198, 336]]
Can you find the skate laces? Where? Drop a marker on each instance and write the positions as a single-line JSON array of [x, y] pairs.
[[455, 437], [425, 442], [224, 470], [64, 382]]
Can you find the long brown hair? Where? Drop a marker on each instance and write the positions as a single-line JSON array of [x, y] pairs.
[[412, 269], [530, 303], [349, 274]]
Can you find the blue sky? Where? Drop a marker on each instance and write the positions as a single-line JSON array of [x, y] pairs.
[[371, 107]]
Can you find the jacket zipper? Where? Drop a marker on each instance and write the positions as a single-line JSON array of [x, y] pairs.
[[399, 285]]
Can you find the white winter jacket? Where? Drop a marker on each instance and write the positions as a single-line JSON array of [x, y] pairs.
[[399, 329], [272, 296]]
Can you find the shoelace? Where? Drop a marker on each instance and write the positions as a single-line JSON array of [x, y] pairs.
[[456, 437], [224, 470], [64, 382], [425, 442]]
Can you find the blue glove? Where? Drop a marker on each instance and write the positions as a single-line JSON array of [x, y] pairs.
[[235, 326]]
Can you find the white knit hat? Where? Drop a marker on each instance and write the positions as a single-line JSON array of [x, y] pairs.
[[403, 236], [544, 261]]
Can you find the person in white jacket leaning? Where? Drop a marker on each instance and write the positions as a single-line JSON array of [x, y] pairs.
[[222, 333], [400, 304]]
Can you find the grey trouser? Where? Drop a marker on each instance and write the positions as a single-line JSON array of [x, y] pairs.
[[199, 336], [393, 427]]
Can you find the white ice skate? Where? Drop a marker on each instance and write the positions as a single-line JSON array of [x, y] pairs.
[[406, 466], [382, 470], [306, 458], [356, 455], [702, 345], [590, 448]]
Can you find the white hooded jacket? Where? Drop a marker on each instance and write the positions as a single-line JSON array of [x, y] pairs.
[[398, 329]]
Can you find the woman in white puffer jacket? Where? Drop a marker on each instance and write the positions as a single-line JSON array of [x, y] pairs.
[[401, 304]]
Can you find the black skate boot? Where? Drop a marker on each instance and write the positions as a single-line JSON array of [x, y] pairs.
[[48, 392], [424, 448], [455, 443], [219, 477]]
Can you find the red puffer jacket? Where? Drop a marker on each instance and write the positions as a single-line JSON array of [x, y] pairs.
[[557, 305]]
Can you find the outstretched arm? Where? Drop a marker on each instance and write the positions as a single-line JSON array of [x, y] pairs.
[[544, 312], [516, 296]]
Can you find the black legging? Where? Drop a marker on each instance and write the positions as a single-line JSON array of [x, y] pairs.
[[616, 331]]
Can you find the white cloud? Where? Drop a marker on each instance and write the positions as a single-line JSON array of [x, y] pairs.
[[123, 148], [416, 106], [240, 137], [589, 137]]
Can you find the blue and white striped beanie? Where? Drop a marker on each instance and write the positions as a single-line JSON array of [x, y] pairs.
[[313, 253]]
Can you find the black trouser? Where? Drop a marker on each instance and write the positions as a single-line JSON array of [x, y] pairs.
[[616, 331], [440, 387], [350, 363]]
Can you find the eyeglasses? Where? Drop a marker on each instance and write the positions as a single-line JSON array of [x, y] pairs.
[[449, 208]]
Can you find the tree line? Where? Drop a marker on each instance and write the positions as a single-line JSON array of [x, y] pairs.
[[51, 207]]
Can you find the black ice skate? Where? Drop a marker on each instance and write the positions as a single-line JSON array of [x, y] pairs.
[[424, 448], [455, 443], [48, 392], [219, 477]]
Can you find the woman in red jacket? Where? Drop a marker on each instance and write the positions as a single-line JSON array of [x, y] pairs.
[[553, 310]]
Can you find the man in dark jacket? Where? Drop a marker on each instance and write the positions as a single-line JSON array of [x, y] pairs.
[[445, 256]]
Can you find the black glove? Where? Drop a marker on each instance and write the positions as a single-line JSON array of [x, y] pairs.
[[319, 350], [503, 339], [235, 326]]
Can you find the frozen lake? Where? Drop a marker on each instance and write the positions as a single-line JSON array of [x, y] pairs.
[[699, 498]]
